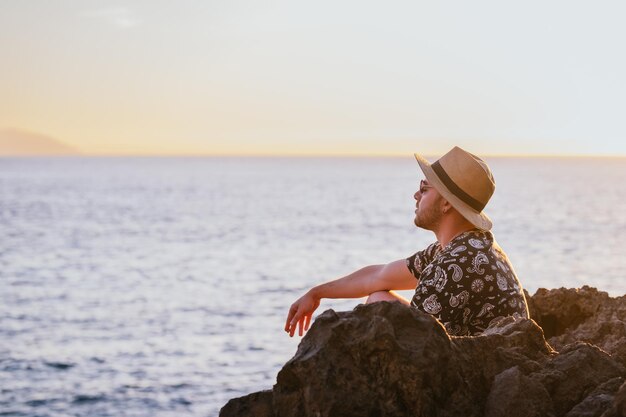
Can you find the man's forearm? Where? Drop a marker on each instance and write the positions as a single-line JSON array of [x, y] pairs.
[[358, 284]]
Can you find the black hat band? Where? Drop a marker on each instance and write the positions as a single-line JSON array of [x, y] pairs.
[[455, 189]]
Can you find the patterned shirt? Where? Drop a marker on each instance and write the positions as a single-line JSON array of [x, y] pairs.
[[467, 284]]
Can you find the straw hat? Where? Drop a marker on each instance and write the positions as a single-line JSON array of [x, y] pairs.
[[465, 181]]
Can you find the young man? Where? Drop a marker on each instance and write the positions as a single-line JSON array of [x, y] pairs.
[[464, 279]]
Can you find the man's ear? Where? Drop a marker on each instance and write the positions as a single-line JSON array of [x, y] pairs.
[[445, 206]]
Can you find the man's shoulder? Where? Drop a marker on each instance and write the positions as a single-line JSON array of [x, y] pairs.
[[427, 255], [472, 240]]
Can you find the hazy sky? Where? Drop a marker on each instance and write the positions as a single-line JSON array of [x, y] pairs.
[[340, 77]]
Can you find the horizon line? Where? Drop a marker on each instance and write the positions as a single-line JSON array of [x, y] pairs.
[[293, 155]]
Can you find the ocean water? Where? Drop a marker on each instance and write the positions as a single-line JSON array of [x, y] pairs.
[[160, 286]]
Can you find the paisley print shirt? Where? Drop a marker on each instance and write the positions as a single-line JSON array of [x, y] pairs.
[[466, 284]]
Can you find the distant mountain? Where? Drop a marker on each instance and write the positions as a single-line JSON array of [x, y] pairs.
[[15, 142]]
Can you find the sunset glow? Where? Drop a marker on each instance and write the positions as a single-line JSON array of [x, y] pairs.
[[246, 78]]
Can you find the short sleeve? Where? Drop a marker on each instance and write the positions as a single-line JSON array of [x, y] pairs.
[[419, 260]]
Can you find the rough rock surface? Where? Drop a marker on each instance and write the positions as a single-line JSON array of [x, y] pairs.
[[585, 314], [384, 359]]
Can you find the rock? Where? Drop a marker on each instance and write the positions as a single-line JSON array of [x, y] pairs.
[[380, 359], [618, 409], [515, 395], [574, 373], [560, 310], [584, 314], [258, 404], [384, 359], [598, 401]]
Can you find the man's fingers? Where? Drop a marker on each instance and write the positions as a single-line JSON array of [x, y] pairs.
[[298, 318], [288, 322], [294, 322], [292, 311]]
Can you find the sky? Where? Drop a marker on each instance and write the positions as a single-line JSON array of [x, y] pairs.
[[245, 77]]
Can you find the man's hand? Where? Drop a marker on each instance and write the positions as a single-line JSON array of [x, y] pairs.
[[300, 314], [368, 280]]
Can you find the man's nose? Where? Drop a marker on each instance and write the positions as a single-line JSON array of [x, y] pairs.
[[417, 195]]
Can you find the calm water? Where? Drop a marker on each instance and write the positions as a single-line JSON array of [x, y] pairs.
[[159, 287]]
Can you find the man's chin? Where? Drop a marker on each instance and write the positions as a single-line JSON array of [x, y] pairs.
[[419, 224]]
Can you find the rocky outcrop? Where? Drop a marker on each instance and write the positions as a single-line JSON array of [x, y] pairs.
[[384, 359], [585, 314]]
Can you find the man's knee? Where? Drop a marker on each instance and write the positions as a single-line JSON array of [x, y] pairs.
[[380, 296], [390, 296]]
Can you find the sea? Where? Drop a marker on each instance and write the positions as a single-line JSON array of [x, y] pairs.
[[160, 286]]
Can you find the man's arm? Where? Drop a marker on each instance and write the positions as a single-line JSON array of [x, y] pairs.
[[392, 276]]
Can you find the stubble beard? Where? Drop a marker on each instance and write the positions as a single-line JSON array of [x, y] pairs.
[[429, 220]]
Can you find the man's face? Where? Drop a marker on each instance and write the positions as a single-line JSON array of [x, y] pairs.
[[428, 206]]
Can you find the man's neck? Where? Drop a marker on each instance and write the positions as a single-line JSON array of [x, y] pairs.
[[449, 230]]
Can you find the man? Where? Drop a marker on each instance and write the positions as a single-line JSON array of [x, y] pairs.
[[464, 279]]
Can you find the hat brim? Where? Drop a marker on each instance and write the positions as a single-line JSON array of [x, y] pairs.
[[478, 219]]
